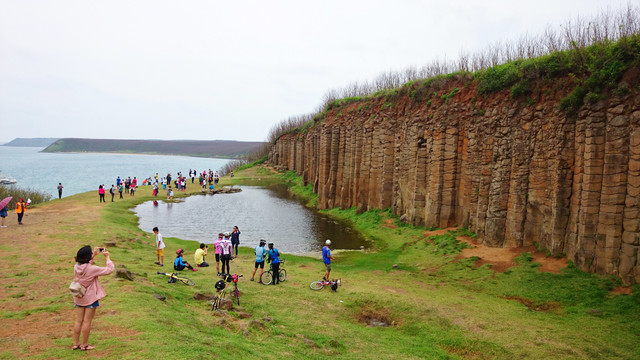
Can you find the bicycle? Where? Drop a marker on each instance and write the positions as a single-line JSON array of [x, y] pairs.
[[318, 285], [221, 288], [220, 292], [236, 291], [173, 277], [267, 277]]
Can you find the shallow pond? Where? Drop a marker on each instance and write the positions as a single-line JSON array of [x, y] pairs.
[[269, 213]]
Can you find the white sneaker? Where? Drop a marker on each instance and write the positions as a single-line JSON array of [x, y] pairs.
[[3, 226]]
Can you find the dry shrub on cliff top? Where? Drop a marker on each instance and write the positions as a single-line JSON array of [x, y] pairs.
[[574, 35]]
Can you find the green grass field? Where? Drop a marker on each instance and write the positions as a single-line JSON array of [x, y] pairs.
[[435, 307]]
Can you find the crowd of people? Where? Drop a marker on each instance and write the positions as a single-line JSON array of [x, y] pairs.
[[225, 250], [129, 186]]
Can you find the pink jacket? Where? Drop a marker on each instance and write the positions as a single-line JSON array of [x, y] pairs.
[[217, 243], [90, 281]]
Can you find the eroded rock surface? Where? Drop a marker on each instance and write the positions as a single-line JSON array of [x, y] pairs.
[[515, 172]]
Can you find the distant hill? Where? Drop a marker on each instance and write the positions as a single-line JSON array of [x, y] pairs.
[[204, 148], [31, 142]]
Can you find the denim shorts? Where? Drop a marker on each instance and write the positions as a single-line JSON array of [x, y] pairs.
[[94, 305]]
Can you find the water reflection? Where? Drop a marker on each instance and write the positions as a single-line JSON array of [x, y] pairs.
[[270, 213]]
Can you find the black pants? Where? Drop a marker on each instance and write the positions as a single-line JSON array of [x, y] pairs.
[[235, 246], [20, 215], [275, 269], [225, 261], [120, 194], [180, 268], [59, 194], [102, 198]]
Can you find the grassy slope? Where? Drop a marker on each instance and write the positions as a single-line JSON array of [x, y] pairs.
[[440, 308]]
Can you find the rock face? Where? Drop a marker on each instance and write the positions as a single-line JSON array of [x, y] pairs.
[[515, 172]]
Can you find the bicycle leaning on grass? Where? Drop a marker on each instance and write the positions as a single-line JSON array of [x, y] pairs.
[[267, 277], [175, 277], [318, 285], [221, 288], [236, 291]]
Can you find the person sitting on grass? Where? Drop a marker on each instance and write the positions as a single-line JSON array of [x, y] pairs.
[[180, 264], [199, 255]]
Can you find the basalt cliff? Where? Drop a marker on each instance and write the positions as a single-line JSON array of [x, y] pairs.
[[515, 170]]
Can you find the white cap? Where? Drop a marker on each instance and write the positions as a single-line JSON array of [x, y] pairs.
[[328, 242]]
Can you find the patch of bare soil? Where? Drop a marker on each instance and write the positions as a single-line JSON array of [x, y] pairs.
[[375, 316], [502, 259], [395, 290], [428, 233], [547, 306], [389, 223], [37, 267], [621, 290]]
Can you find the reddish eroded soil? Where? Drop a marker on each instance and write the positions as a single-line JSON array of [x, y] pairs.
[[502, 259]]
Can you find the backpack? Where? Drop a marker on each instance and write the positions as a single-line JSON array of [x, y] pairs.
[[76, 289]]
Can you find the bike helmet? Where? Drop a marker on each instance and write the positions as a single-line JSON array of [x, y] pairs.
[[227, 234], [262, 242], [179, 251], [328, 242], [220, 285]]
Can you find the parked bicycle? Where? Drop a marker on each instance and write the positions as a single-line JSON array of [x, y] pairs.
[[267, 277], [318, 285], [221, 287], [236, 291], [221, 290], [175, 277]]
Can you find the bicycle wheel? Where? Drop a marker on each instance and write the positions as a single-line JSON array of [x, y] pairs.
[[215, 303], [236, 293], [282, 274], [186, 281], [266, 277], [316, 285]]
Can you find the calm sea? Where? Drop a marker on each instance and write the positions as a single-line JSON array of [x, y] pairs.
[[261, 213], [82, 172]]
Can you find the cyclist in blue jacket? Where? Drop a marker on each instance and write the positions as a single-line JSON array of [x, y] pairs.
[[274, 259], [261, 253], [179, 264]]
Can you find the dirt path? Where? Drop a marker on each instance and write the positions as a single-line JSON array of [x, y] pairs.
[[37, 267]]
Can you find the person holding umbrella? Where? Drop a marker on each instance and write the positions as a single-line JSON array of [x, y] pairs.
[[4, 210]]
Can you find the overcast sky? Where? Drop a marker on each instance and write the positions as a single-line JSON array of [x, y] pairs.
[[229, 70]]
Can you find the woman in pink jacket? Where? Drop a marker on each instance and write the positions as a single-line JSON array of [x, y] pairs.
[[87, 275]]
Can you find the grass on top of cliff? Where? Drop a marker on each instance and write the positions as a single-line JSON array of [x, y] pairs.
[[428, 306]]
